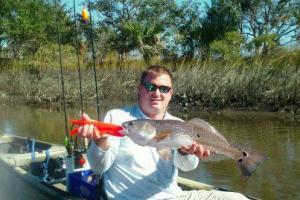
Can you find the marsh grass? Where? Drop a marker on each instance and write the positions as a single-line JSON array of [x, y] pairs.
[[201, 86], [44, 86], [253, 87], [271, 84]]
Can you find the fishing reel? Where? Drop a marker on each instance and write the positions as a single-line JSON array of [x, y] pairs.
[[76, 148]]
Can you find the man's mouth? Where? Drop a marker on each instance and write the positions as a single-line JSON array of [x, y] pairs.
[[154, 102]]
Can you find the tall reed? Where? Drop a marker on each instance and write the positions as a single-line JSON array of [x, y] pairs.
[[215, 85]]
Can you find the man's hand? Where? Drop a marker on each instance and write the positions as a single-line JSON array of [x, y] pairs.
[[91, 132], [195, 149]]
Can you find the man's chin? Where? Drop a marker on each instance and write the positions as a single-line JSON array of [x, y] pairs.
[[155, 107]]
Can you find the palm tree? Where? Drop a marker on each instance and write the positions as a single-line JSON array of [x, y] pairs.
[[146, 38]]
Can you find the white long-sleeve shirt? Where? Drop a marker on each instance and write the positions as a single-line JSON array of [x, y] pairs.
[[131, 171]]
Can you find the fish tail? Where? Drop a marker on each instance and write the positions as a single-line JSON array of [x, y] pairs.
[[248, 161]]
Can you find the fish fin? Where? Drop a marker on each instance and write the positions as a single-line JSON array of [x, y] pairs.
[[165, 154], [162, 135], [249, 160], [206, 126], [182, 139]]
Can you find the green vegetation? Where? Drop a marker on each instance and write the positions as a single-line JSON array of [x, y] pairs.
[[200, 85], [152, 28], [226, 54]]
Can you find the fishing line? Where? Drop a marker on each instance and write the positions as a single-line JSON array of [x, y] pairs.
[[61, 67], [94, 59], [78, 60]]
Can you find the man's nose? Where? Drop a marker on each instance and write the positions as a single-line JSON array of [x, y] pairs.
[[156, 92]]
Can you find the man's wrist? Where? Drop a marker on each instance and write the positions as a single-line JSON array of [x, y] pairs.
[[103, 143]]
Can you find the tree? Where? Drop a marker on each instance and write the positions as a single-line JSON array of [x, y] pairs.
[[221, 18], [4, 8], [266, 23], [135, 25], [228, 48], [30, 23], [146, 38], [187, 28]]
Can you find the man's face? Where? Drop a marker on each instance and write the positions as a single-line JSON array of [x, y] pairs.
[[153, 98]]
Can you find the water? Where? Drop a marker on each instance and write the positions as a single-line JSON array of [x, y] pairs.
[[276, 136], [279, 138]]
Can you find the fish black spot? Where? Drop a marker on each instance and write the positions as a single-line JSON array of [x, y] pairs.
[[198, 135], [245, 154], [240, 160]]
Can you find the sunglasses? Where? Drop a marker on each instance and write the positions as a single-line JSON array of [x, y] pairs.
[[152, 87]]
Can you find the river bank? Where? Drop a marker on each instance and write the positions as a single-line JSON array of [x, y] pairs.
[[185, 113], [196, 88]]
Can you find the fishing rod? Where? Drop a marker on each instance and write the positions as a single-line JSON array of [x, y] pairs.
[[78, 59], [94, 59], [80, 143], [61, 68]]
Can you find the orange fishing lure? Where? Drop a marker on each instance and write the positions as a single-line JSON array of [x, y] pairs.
[[103, 128]]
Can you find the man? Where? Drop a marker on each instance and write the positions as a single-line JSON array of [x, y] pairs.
[[131, 171]]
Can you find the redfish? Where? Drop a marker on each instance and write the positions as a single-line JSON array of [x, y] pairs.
[[173, 134]]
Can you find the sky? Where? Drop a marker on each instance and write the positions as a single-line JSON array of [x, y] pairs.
[[79, 4]]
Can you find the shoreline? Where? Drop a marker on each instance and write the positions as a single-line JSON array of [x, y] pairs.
[[203, 88], [228, 112]]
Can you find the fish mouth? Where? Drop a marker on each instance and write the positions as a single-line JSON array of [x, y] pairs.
[[124, 125], [125, 130]]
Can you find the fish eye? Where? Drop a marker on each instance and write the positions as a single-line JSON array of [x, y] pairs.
[[245, 154], [130, 123]]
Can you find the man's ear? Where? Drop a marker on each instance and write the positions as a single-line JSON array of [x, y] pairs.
[[139, 87], [172, 91]]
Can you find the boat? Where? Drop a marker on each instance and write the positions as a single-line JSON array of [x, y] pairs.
[[20, 151], [32, 166], [42, 166]]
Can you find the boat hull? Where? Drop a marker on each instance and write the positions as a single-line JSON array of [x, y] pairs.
[[14, 150]]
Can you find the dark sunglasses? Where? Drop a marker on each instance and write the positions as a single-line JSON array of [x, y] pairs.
[[152, 87]]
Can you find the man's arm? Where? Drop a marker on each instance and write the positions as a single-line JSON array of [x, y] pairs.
[[101, 160], [103, 150]]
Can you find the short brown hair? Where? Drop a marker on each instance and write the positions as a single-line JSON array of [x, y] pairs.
[[158, 69]]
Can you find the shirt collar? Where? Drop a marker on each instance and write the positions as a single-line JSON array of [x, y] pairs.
[[142, 115]]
